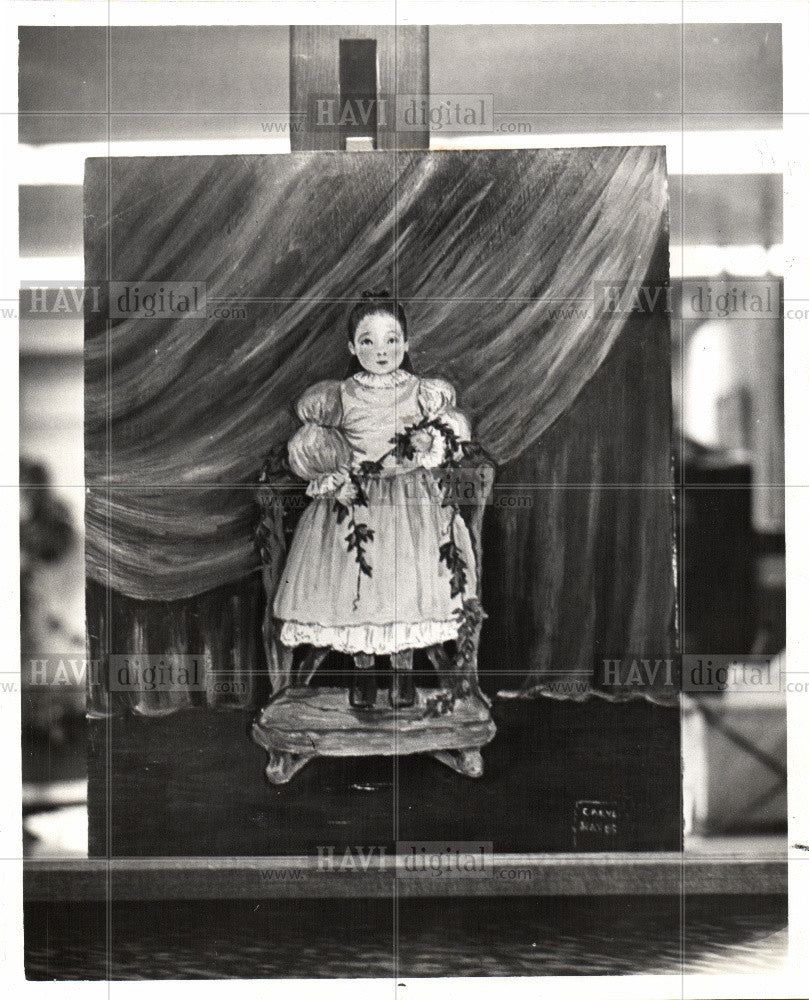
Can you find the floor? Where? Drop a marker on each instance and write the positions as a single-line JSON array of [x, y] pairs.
[[413, 938]]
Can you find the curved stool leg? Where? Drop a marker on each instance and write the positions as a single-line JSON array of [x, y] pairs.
[[283, 765], [468, 762]]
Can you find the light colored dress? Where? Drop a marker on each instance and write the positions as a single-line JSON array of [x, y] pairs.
[[406, 602]]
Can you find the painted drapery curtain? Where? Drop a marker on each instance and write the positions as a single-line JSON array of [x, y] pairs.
[[498, 257]]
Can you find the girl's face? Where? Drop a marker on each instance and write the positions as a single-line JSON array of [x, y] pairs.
[[379, 344]]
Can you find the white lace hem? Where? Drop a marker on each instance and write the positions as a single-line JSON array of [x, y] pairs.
[[368, 638]]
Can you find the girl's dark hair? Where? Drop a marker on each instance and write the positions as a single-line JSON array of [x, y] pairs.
[[371, 304]]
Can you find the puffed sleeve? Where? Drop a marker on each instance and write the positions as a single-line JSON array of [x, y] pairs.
[[319, 451], [321, 404], [437, 400]]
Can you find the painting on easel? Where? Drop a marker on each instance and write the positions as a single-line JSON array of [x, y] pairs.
[[402, 469]]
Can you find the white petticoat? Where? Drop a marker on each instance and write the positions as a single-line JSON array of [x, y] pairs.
[[368, 638]]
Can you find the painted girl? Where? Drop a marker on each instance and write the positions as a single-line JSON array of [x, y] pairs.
[[364, 573]]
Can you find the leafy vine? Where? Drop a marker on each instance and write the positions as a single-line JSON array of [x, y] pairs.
[[359, 534]]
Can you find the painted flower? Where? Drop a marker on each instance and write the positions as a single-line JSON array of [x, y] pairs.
[[430, 446], [421, 440], [346, 493]]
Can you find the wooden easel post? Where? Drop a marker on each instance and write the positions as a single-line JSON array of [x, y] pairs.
[[356, 72]]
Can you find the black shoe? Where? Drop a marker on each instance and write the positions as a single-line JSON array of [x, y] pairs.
[[363, 689], [402, 692]]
